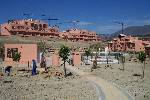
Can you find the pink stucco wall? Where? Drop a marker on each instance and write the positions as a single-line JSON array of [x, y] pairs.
[[28, 53], [55, 60], [139, 46], [76, 56]]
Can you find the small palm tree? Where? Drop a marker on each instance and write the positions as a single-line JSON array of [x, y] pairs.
[[142, 57], [64, 53], [16, 57], [96, 49], [117, 57], [122, 61], [42, 46], [87, 53], [2, 50]]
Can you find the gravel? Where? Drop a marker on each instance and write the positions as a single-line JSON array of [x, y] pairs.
[[26, 87], [129, 79]]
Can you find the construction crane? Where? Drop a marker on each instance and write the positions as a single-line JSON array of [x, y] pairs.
[[120, 23], [74, 22], [49, 19], [28, 15]]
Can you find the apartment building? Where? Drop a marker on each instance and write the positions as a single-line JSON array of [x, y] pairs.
[[125, 43], [28, 28], [79, 35]]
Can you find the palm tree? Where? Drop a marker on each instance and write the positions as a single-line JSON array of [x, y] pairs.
[[142, 57], [64, 53], [87, 53], [42, 46], [16, 57], [96, 49], [2, 51], [123, 61]]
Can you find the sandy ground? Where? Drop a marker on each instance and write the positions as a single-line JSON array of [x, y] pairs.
[[106, 90], [22, 86], [137, 87]]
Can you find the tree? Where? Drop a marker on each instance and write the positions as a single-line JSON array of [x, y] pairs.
[[42, 46], [122, 60], [16, 57], [117, 57], [64, 53], [96, 49], [87, 53], [142, 57], [2, 51]]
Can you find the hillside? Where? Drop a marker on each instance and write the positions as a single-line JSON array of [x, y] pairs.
[[135, 31], [50, 42]]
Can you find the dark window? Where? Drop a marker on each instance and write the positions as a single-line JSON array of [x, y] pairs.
[[44, 26], [36, 27], [32, 24], [11, 51], [40, 25], [13, 27], [26, 23]]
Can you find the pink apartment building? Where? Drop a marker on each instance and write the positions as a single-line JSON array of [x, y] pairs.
[[30, 27], [127, 43], [79, 35], [27, 28]]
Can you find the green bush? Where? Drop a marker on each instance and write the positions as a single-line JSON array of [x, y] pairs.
[[142, 56], [16, 57]]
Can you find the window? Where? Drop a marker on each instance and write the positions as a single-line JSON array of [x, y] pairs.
[[11, 51], [32, 24], [26, 23], [44, 26], [13, 27], [35, 26]]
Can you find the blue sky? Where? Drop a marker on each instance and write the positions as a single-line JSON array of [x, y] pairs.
[[95, 15]]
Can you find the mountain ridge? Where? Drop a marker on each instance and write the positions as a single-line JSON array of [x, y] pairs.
[[141, 31]]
